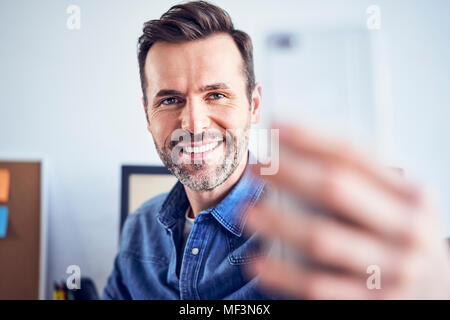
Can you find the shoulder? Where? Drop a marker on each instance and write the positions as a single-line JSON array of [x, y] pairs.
[[141, 224]]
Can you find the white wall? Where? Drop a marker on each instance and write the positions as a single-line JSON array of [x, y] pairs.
[[74, 98]]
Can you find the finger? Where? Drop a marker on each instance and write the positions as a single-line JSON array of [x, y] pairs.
[[303, 283], [328, 242], [344, 193], [311, 143]]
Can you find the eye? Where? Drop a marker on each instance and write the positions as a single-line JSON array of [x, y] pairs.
[[216, 96], [169, 101]]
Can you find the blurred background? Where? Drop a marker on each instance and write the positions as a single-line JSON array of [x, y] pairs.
[[70, 98]]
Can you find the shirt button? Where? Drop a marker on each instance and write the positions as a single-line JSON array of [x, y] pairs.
[[194, 251]]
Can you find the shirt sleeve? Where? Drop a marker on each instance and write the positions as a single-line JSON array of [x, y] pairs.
[[115, 288], [119, 284]]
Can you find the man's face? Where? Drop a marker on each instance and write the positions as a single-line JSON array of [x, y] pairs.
[[198, 110]]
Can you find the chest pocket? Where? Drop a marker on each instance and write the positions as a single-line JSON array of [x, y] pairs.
[[245, 250]]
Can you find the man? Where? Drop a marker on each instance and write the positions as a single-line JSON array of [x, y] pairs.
[[200, 99], [197, 77]]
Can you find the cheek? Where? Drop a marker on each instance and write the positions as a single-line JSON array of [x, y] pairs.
[[162, 126], [232, 118]]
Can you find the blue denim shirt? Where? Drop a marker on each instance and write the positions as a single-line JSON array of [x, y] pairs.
[[151, 265]]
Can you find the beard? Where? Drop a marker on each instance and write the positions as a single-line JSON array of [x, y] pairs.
[[204, 176]]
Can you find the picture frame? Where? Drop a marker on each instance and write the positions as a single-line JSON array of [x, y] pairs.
[[140, 183]]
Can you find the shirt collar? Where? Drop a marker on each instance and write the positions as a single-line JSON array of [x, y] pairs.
[[231, 212], [174, 207]]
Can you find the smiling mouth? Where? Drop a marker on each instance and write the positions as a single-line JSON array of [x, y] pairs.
[[201, 149]]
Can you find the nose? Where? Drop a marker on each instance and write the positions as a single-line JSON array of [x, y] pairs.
[[195, 116]]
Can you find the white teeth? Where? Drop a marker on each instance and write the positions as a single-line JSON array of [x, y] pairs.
[[201, 149]]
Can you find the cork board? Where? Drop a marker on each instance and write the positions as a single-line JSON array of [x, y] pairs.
[[20, 249]]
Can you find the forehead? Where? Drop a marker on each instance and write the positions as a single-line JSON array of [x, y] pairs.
[[195, 63]]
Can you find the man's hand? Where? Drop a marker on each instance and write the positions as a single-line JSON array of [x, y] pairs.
[[382, 220]]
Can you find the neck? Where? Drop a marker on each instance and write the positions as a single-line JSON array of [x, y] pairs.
[[202, 200]]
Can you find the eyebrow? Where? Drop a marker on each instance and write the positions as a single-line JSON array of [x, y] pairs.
[[166, 92], [215, 86], [209, 87]]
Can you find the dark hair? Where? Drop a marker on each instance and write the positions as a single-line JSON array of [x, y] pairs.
[[192, 21]]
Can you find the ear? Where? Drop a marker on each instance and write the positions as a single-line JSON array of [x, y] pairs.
[[255, 108], [146, 116]]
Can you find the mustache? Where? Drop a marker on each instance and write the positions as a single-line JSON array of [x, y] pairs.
[[181, 135]]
